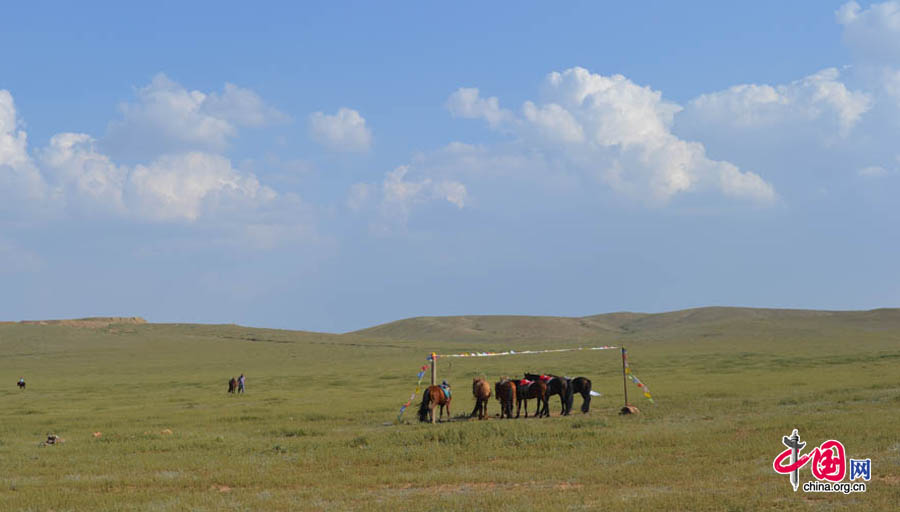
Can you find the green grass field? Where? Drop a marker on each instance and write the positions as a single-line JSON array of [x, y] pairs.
[[316, 429]]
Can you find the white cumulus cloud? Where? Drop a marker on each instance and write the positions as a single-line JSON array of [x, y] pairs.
[[610, 127], [185, 186], [874, 32], [81, 175], [397, 195], [818, 99], [169, 118], [345, 131], [466, 103], [20, 179], [70, 176]]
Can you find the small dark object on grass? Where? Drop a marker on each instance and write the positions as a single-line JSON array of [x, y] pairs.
[[629, 409], [52, 439]]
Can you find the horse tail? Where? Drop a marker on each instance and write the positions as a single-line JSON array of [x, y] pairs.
[[570, 394], [586, 394]]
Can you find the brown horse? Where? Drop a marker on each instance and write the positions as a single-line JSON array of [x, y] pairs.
[[526, 390], [481, 390], [506, 395], [434, 396]]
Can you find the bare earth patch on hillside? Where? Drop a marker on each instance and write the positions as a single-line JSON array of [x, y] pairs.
[[90, 323]]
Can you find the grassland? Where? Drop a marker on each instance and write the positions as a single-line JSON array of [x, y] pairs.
[[316, 431]]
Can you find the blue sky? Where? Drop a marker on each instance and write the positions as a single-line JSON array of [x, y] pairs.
[[336, 166]]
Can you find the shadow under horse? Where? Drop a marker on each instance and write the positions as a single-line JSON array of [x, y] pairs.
[[432, 397], [555, 386]]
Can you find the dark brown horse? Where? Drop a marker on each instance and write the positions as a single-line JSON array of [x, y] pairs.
[[555, 386], [481, 390], [505, 391], [582, 386], [434, 396], [526, 390]]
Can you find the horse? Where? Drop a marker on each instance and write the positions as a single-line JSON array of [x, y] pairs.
[[481, 390], [21, 383], [581, 385], [505, 391], [232, 385], [526, 390], [555, 386], [434, 396]]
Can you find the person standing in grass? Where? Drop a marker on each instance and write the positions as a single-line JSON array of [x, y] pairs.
[[241, 383]]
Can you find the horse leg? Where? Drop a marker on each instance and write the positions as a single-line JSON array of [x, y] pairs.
[[431, 407]]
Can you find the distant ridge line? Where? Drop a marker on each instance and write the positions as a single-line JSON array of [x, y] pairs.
[[709, 320]]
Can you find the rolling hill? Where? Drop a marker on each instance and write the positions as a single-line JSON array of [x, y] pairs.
[[688, 322]]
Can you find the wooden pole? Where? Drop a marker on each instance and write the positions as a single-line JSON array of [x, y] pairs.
[[433, 381], [433, 369], [624, 378]]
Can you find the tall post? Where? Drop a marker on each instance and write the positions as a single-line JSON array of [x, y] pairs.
[[433, 381], [624, 377], [433, 369]]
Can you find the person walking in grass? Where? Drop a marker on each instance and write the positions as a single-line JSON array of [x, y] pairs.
[[241, 383]]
